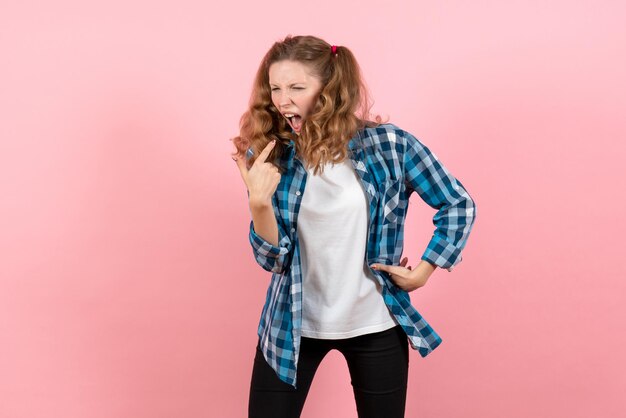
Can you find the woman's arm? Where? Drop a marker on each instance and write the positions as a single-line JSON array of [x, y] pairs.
[[270, 243], [407, 278], [264, 221], [456, 210]]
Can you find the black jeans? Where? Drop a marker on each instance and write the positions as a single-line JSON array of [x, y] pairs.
[[378, 365]]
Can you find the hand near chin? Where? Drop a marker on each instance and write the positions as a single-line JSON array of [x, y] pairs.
[[406, 278], [262, 178]]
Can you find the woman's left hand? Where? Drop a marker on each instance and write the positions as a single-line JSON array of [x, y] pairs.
[[406, 278]]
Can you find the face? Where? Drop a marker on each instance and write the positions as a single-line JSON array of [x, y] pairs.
[[294, 91]]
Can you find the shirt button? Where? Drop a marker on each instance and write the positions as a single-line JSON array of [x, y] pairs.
[[298, 193], [293, 229]]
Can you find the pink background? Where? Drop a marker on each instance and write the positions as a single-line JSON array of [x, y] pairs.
[[128, 286]]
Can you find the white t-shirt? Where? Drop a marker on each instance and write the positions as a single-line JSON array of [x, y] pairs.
[[341, 298]]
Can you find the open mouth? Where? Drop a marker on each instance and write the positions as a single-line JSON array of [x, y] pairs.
[[295, 121]]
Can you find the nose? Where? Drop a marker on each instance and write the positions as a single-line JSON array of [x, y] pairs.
[[283, 99]]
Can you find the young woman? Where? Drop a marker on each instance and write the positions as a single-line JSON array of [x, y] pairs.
[[328, 191]]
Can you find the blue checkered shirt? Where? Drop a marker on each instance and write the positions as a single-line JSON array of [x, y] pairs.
[[390, 164]]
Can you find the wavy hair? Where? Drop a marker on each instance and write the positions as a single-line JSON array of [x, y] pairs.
[[341, 110]]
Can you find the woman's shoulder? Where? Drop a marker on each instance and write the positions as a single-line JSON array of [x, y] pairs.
[[385, 133]]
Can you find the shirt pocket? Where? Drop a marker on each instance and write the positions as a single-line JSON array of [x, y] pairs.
[[390, 193]]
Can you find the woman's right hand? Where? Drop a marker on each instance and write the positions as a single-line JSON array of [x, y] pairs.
[[262, 178]]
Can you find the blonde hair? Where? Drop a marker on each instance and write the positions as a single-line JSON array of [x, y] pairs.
[[341, 110]]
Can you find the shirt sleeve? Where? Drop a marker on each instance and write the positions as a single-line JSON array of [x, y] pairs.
[[271, 257], [456, 210]]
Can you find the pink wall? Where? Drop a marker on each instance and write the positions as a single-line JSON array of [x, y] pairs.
[[128, 287]]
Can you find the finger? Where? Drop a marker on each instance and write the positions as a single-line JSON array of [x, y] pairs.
[[265, 153], [404, 261], [375, 266], [381, 267]]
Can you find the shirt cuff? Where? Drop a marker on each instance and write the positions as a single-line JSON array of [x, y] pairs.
[[265, 248], [442, 254]]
